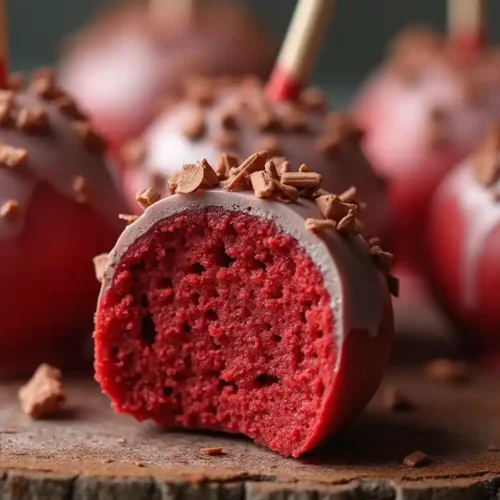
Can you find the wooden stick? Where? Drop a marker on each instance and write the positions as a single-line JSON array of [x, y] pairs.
[[4, 44], [466, 25], [300, 49]]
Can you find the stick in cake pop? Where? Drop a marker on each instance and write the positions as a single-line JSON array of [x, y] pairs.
[[300, 50], [466, 25]]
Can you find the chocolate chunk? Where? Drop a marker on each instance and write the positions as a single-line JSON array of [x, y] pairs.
[[43, 396], [416, 459], [313, 99], [224, 165], [68, 107], [303, 168], [195, 128], [147, 197], [129, 219], [9, 208], [212, 451], [252, 164], [394, 400], [331, 207], [301, 179], [320, 225], [12, 157], [100, 266], [348, 225], [262, 186], [448, 371], [284, 193], [93, 141], [383, 260], [196, 176], [271, 171], [33, 120], [82, 190]]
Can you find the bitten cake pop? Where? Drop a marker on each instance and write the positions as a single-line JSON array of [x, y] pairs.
[[240, 118], [245, 312], [122, 66], [464, 248], [58, 208], [422, 113]]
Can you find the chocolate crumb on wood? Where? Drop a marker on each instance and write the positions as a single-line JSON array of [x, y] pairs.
[[416, 459], [43, 396]]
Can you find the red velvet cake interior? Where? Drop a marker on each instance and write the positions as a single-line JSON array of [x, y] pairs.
[[217, 319]]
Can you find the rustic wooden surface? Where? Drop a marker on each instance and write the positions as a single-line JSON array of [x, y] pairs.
[[91, 453]]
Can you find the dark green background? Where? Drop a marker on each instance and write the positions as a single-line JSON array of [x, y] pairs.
[[356, 39]]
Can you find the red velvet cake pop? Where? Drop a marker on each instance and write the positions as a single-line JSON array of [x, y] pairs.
[[464, 248], [422, 114], [58, 208], [245, 312], [121, 67], [240, 118]]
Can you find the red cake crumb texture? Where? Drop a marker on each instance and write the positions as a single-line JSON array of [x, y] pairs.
[[217, 319], [58, 207], [463, 248]]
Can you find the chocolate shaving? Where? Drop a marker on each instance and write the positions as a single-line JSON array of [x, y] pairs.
[[9, 208], [195, 127], [100, 266], [416, 459], [68, 107], [383, 260], [282, 165], [331, 207], [224, 165], [448, 371], [196, 176], [313, 99], [147, 197], [301, 179], [81, 189], [32, 120], [212, 451], [93, 141], [348, 225], [320, 225], [135, 152], [286, 194], [262, 186], [129, 219], [11, 157], [43, 396], [303, 168], [394, 400], [252, 164], [271, 171]]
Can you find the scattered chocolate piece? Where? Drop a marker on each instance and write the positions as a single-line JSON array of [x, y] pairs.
[[224, 165], [303, 168], [195, 127], [262, 186], [15, 81], [68, 107], [448, 371], [129, 219], [173, 182], [416, 459], [252, 164], [226, 140], [394, 400], [216, 451], [286, 194], [383, 260], [100, 265], [82, 190], [493, 447], [301, 179], [313, 99], [320, 225], [271, 171], [270, 143], [348, 225], [12, 157], [331, 207], [147, 197], [43, 395], [282, 165], [393, 285], [32, 120], [135, 152], [89, 137], [196, 176], [9, 208]]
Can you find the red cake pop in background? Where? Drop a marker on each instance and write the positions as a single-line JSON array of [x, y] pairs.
[[423, 111], [464, 248], [58, 208], [123, 65]]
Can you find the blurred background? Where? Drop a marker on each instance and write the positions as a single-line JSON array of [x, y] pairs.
[[356, 42]]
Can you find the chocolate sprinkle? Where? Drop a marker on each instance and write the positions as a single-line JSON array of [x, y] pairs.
[[416, 459]]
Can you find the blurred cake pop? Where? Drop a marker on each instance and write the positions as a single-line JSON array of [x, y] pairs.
[[423, 111], [464, 248], [58, 209], [121, 66]]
